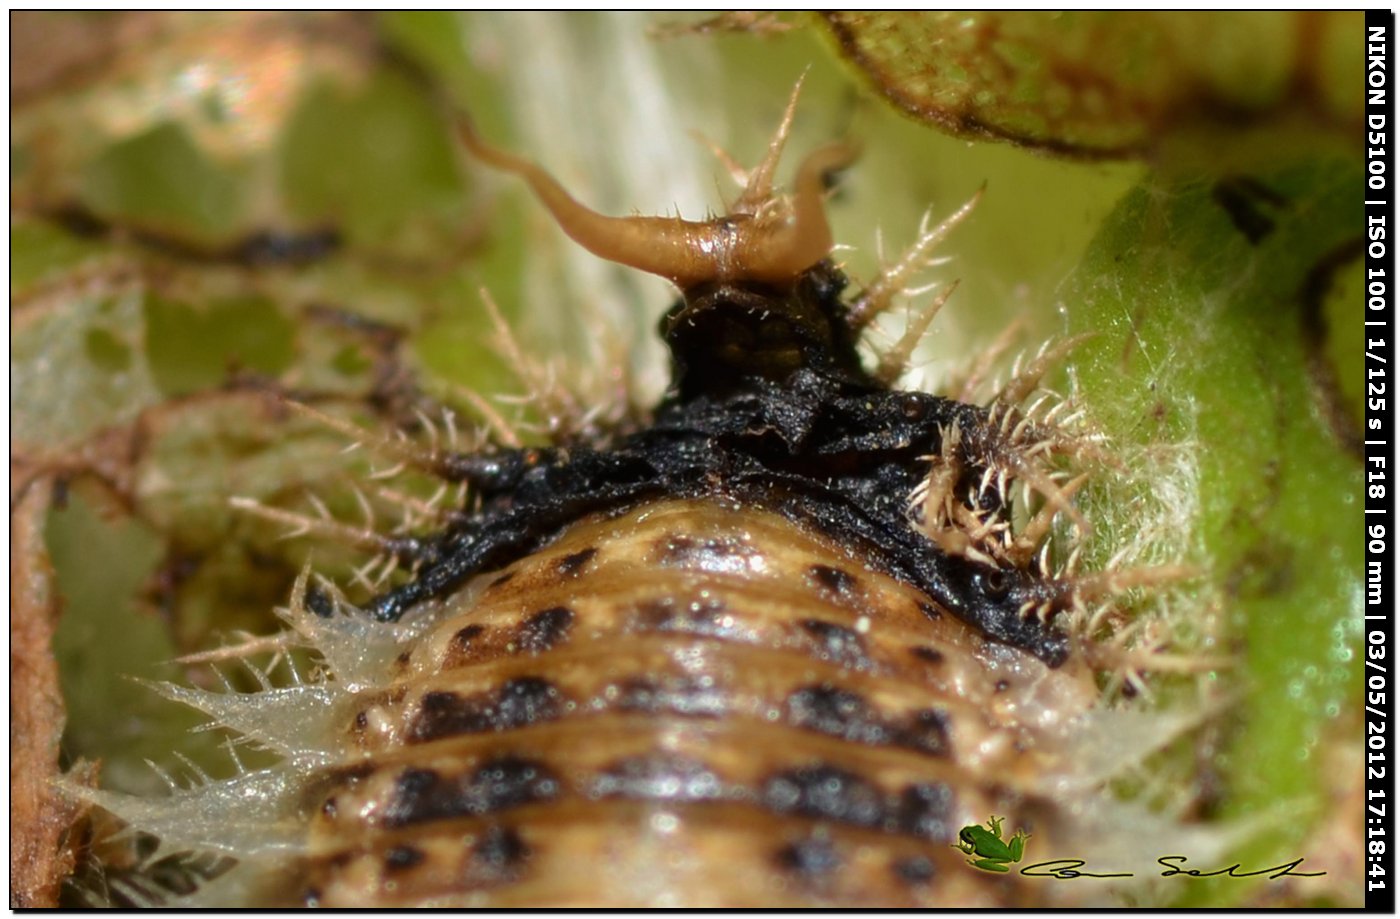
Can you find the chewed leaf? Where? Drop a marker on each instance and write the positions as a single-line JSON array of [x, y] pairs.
[[76, 363], [1101, 83]]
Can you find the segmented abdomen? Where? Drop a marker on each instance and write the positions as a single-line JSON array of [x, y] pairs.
[[690, 703]]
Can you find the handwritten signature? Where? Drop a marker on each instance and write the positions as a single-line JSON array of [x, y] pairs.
[[1067, 869]]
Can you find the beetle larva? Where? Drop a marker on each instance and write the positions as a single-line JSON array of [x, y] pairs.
[[773, 648]]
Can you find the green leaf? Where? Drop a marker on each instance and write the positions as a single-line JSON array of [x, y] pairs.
[[160, 180], [193, 347], [77, 365], [1204, 343], [104, 640], [40, 251], [373, 160]]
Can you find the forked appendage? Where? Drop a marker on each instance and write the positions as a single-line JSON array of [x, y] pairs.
[[895, 361], [505, 432], [1072, 594], [1026, 458], [1140, 648], [963, 504], [473, 469], [765, 238], [433, 511], [1020, 441], [431, 460], [737, 173], [882, 292], [1025, 379], [758, 188], [405, 549], [563, 413], [964, 385], [246, 645]]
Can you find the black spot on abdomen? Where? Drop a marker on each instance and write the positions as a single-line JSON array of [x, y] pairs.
[[811, 858], [545, 629], [837, 643], [833, 580], [837, 712], [845, 714], [825, 792], [424, 795], [672, 614], [925, 731], [402, 857], [571, 565], [462, 639], [500, 849], [518, 703], [924, 811], [926, 654], [716, 555], [914, 871]]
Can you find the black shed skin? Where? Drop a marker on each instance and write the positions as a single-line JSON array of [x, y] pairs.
[[769, 407]]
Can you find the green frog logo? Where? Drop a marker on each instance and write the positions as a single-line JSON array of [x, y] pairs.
[[992, 853]]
